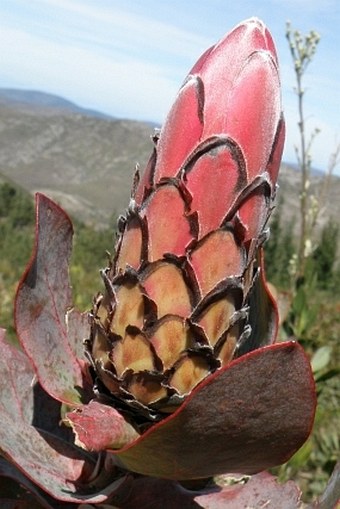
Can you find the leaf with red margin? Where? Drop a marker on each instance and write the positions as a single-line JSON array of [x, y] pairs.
[[234, 421], [98, 426], [49, 331], [50, 461]]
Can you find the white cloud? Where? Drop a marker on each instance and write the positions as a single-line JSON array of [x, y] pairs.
[[128, 88], [104, 57], [109, 26]]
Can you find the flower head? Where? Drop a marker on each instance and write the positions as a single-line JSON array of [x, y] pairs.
[[178, 293]]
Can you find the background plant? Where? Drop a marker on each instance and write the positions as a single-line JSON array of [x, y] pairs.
[[306, 271]]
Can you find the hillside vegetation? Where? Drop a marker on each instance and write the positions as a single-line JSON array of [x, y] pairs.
[[85, 163]]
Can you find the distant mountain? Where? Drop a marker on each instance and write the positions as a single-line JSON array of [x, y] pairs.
[[44, 102], [86, 162], [314, 171]]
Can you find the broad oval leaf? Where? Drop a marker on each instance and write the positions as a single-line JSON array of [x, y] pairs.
[[241, 411]]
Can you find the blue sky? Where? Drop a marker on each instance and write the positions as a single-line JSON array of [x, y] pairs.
[[128, 58]]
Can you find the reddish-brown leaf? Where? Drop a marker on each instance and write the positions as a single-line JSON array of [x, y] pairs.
[[241, 412], [49, 331]]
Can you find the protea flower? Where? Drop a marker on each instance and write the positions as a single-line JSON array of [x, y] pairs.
[[177, 305], [180, 377], [185, 295]]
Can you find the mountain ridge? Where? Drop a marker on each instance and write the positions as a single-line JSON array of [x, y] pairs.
[[44, 100]]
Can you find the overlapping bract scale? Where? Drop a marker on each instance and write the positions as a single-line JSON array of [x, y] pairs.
[[176, 307]]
